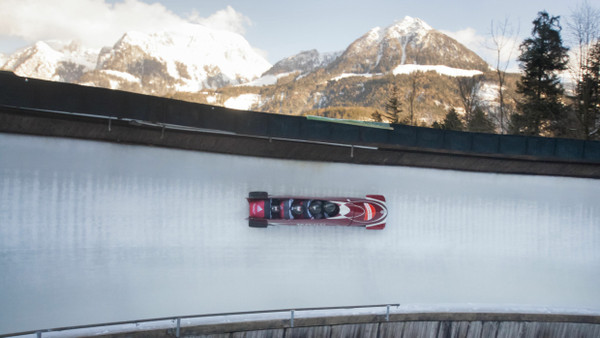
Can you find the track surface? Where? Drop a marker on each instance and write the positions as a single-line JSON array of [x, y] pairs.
[[95, 232]]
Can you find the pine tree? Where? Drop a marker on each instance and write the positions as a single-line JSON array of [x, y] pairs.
[[452, 121], [480, 122], [376, 116], [542, 57], [393, 106]]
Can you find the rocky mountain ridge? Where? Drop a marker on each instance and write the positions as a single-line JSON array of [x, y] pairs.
[[159, 63], [217, 67]]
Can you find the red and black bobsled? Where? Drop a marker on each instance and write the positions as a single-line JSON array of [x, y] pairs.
[[369, 212]]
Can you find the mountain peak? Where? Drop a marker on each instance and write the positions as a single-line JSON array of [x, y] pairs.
[[412, 24], [193, 50], [408, 41], [303, 62]]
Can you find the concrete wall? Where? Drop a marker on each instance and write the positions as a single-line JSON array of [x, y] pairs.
[[405, 325], [24, 121]]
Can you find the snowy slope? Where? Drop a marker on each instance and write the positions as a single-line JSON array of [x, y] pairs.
[[52, 60]]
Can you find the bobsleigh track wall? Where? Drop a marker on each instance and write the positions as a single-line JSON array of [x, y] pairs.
[[56, 109], [126, 228]]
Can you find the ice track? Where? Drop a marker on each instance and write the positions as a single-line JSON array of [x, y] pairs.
[[95, 232]]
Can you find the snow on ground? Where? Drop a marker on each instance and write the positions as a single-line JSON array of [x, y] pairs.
[[345, 75], [122, 75], [242, 102], [489, 93], [266, 80], [210, 99], [440, 69]]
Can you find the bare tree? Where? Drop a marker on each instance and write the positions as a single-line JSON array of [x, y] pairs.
[[415, 79], [415, 84], [584, 29], [468, 89], [504, 38]]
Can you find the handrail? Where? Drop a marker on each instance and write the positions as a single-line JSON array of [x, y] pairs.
[[176, 320], [170, 126]]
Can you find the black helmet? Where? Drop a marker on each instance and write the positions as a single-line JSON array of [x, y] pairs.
[[315, 207], [329, 208], [275, 208], [297, 209]]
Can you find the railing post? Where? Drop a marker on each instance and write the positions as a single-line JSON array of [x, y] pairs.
[[292, 319], [178, 327], [387, 313], [38, 334], [352, 151]]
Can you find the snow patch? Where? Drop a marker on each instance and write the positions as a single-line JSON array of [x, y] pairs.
[[440, 69], [121, 75], [266, 80], [488, 92], [211, 99], [242, 102], [345, 75]]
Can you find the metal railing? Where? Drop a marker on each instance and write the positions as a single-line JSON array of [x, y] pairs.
[[174, 324]]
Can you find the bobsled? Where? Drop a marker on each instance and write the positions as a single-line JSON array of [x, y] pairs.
[[266, 210]]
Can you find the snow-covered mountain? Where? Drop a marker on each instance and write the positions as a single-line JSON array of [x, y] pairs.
[[404, 47], [194, 61], [53, 60], [362, 74], [304, 62], [298, 65], [177, 61], [409, 41]]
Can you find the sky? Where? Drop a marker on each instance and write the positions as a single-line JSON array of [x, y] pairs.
[[275, 28]]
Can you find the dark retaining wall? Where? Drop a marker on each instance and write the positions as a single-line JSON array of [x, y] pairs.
[[37, 107]]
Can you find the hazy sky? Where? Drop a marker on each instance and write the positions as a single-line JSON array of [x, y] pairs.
[[276, 28]]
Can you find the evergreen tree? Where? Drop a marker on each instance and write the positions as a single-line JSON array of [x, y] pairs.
[[376, 116], [452, 121], [542, 57], [480, 122], [436, 125], [394, 106]]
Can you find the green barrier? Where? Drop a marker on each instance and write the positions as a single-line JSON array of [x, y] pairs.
[[370, 124]]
